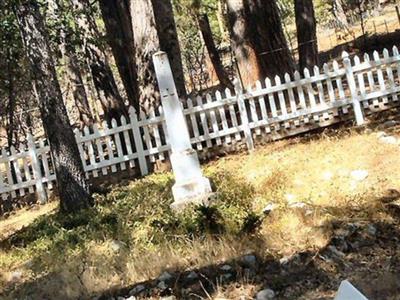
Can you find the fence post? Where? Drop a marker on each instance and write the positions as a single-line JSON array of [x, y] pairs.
[[190, 184], [353, 89], [37, 173], [138, 141], [243, 115]]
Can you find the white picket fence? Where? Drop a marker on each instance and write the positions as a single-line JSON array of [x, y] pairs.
[[348, 89]]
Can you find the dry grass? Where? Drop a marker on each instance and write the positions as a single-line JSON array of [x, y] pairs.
[[79, 260]]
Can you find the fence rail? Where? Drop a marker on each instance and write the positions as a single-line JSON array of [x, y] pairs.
[[273, 109]]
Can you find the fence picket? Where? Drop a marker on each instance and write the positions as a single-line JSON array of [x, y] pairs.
[[109, 147], [118, 144], [7, 165], [261, 102], [371, 81], [389, 72], [193, 121], [222, 115], [138, 142], [396, 56], [253, 112], [339, 84], [310, 92], [127, 141], [379, 72], [232, 114], [213, 120], [204, 122], [45, 155], [321, 94], [243, 116]]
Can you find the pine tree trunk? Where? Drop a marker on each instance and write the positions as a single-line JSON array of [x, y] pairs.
[[306, 34], [269, 38], [72, 186], [74, 71], [153, 30], [206, 33], [79, 91], [250, 69], [103, 78], [117, 19]]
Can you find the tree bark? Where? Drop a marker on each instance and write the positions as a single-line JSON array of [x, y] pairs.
[[117, 19], [206, 33], [258, 40], [269, 38], [306, 34], [72, 185], [154, 29], [250, 69], [74, 71], [112, 103]]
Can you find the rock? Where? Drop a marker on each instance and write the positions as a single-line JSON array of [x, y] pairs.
[[162, 285], [165, 277], [371, 229], [226, 277], [131, 298], [250, 261], [327, 175], [249, 273], [390, 123], [15, 276], [290, 198], [226, 268], [116, 245], [172, 297], [265, 294], [270, 207], [192, 275], [298, 205], [335, 251], [380, 134], [137, 290], [389, 140], [359, 175]]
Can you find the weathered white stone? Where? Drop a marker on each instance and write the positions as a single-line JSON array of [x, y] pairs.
[[290, 198], [266, 294], [390, 123], [389, 140], [327, 175], [380, 134], [190, 185], [137, 290], [116, 245], [226, 268], [250, 260], [16, 276], [165, 276], [131, 298], [348, 292], [269, 208], [192, 275], [359, 175]]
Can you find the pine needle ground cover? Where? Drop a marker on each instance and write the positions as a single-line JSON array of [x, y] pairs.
[[286, 204]]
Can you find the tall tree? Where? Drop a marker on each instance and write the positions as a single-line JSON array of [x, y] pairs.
[[306, 33], [269, 38], [103, 78], [258, 39], [243, 44], [212, 51], [57, 12], [117, 19], [154, 29], [72, 185]]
